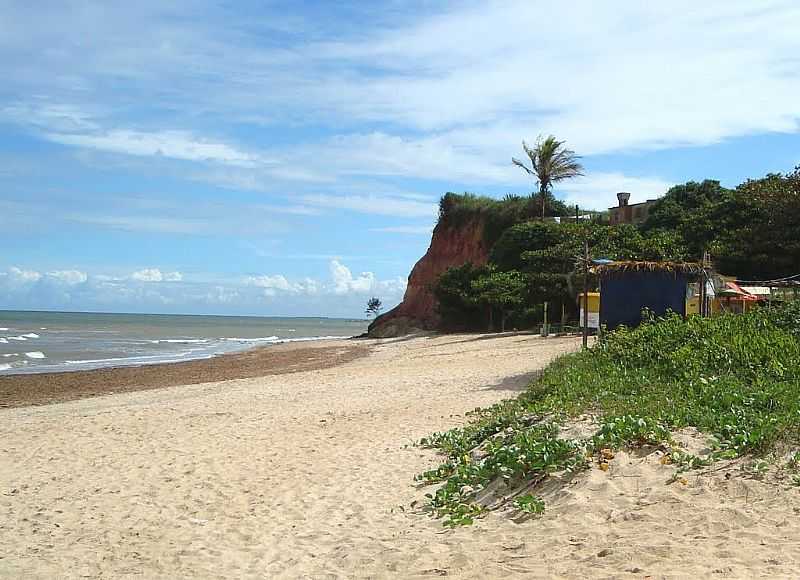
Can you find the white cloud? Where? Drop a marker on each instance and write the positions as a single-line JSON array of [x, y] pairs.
[[374, 204], [156, 275], [51, 116], [147, 214], [341, 282], [173, 276], [433, 156], [152, 290], [174, 144], [641, 75], [222, 295], [70, 277], [439, 105], [143, 223], [598, 190], [24, 276], [275, 284], [345, 283]]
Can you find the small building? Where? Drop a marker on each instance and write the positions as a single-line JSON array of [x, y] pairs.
[[593, 312], [626, 288], [735, 299], [763, 292], [627, 213]]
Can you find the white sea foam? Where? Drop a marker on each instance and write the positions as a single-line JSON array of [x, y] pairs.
[[31, 335], [179, 341], [261, 339], [35, 354], [3, 340], [129, 359], [3, 328], [279, 340], [19, 338], [311, 338], [10, 355], [4, 367], [133, 360]]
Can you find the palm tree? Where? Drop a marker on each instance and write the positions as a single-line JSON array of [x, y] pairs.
[[550, 162]]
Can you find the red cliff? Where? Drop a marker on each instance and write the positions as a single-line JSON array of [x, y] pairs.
[[450, 246]]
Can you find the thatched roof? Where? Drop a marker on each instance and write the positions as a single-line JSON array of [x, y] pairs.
[[617, 268]]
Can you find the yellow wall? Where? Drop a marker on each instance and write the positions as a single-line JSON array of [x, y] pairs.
[[693, 306], [594, 301]]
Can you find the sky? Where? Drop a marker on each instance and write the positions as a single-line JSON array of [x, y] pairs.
[[286, 158]]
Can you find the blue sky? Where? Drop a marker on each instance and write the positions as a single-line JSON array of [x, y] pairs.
[[285, 158]]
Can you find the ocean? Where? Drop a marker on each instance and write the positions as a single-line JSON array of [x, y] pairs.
[[34, 342]]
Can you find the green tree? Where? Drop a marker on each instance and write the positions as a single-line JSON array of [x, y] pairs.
[[550, 162], [499, 290], [455, 301], [752, 231], [759, 237], [374, 307], [692, 211], [532, 235]]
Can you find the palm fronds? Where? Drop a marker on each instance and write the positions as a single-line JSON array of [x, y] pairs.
[[550, 162]]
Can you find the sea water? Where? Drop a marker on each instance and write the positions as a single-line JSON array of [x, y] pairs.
[[32, 342]]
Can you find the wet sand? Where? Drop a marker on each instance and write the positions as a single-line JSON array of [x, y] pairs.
[[45, 388]]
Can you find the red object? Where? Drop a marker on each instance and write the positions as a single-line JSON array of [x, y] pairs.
[[742, 295]]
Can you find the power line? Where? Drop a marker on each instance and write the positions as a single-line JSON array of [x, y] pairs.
[[767, 282]]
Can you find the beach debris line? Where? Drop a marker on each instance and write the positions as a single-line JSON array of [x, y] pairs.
[[729, 378]]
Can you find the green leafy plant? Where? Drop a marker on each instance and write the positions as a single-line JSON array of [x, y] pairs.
[[530, 504], [731, 377]]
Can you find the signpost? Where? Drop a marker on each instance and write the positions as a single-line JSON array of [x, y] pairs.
[[585, 292]]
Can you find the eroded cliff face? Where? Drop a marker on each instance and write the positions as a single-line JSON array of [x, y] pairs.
[[450, 246]]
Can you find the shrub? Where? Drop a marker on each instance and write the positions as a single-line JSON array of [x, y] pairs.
[[734, 377]]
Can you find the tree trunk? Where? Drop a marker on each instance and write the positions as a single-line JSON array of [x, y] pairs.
[[502, 320], [543, 193], [491, 321]]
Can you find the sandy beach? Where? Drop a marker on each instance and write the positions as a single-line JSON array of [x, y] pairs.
[[309, 474]]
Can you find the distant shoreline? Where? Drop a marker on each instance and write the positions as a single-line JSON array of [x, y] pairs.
[[22, 390]]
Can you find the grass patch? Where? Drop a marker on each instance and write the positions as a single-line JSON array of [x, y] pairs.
[[736, 378]]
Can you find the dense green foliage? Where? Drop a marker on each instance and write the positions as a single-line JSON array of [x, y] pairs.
[[496, 215], [733, 377], [456, 300], [752, 231], [499, 290]]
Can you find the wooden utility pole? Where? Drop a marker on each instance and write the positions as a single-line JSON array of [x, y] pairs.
[[705, 306], [585, 292], [703, 293], [545, 329]]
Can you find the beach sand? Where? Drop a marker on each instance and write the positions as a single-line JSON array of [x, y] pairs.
[[310, 475]]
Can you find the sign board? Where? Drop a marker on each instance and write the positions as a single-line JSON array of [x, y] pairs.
[[594, 319]]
